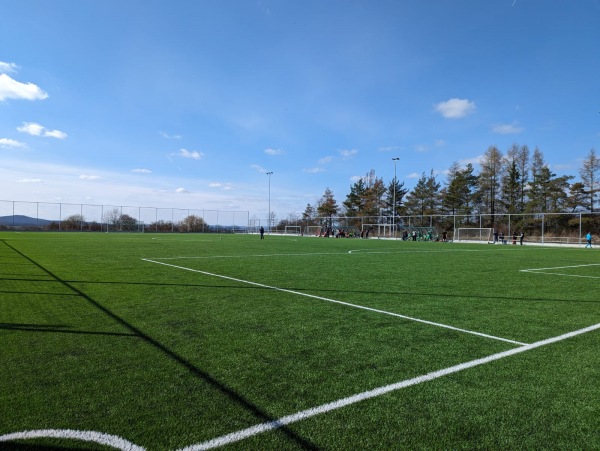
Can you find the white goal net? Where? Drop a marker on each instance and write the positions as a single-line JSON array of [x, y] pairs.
[[473, 234], [293, 230]]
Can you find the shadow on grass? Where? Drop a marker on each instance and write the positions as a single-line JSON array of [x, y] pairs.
[[194, 370], [57, 329], [315, 291]]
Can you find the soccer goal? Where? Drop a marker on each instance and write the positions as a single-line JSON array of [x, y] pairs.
[[376, 230], [293, 230], [313, 230], [473, 234]]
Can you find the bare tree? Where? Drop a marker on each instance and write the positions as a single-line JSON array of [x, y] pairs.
[[590, 173]]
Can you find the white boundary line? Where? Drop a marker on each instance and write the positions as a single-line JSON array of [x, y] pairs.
[[347, 304], [120, 443], [304, 414], [85, 436], [547, 271]]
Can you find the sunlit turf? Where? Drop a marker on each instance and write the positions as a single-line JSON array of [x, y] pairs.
[[173, 340]]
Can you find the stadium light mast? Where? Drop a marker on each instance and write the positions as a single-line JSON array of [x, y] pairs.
[[395, 159], [270, 173]]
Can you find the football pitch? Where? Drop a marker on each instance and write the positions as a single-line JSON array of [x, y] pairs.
[[201, 341]]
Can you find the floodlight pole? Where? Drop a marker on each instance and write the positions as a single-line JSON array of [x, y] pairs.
[[395, 159], [270, 173]]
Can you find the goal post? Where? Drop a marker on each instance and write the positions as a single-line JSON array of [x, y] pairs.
[[473, 234], [293, 230]]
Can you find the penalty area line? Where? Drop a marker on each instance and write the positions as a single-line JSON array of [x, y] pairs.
[[324, 408], [347, 304]]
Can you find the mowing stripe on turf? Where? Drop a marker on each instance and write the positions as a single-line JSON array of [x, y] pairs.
[[347, 304], [304, 414]]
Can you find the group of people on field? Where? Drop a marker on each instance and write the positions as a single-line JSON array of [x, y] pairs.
[[499, 238]]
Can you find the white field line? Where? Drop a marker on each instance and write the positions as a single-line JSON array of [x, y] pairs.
[[304, 414], [550, 271], [347, 304], [86, 436], [308, 254]]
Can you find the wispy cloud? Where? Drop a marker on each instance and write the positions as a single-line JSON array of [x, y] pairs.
[[455, 108], [258, 168], [325, 160], [167, 136], [389, 148], [7, 68], [30, 181], [12, 89], [7, 143], [90, 177], [194, 154], [347, 153], [507, 129], [142, 171], [313, 170], [270, 151], [181, 190], [33, 129], [219, 185]]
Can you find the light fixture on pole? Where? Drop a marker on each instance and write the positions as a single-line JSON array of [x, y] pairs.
[[395, 159], [270, 173]]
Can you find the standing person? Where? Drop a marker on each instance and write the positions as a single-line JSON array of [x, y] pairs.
[[521, 237], [588, 238], [495, 236], [262, 233], [514, 238]]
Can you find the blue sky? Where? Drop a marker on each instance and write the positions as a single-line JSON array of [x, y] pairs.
[[188, 104]]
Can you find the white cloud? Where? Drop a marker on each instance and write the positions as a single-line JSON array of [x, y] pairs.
[[388, 148], [167, 136], [12, 89], [55, 134], [507, 129], [6, 143], [194, 155], [6, 68], [413, 175], [258, 168], [30, 181], [455, 108], [90, 177], [313, 170], [421, 148], [348, 153], [31, 128], [270, 151], [142, 171], [223, 186], [439, 143], [476, 160], [181, 190], [325, 160]]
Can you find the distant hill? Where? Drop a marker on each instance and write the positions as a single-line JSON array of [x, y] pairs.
[[23, 221]]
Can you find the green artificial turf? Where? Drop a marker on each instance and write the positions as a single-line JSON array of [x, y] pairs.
[[172, 340]]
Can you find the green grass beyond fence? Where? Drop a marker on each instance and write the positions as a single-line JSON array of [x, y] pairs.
[[167, 342]]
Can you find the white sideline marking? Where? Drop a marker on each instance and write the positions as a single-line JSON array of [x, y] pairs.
[[86, 436], [304, 414], [347, 304], [547, 271]]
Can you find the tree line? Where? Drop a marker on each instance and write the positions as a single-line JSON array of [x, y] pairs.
[[514, 182]]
